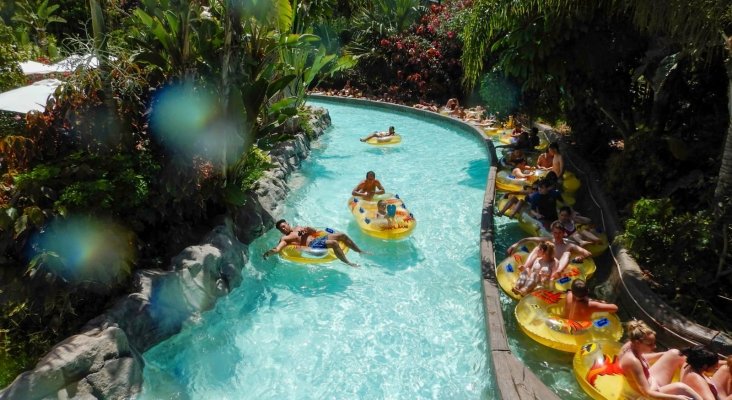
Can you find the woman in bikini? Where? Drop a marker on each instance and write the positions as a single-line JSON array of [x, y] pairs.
[[539, 266], [646, 381], [569, 220], [698, 362], [380, 135]]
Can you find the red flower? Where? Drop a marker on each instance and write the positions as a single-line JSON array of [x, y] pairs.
[[385, 42], [450, 34], [399, 45]]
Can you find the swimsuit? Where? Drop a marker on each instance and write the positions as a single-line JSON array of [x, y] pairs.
[[569, 227], [318, 243], [713, 388], [627, 391]]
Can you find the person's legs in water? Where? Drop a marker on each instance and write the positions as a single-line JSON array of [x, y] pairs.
[[511, 201], [335, 245], [516, 208], [340, 236]]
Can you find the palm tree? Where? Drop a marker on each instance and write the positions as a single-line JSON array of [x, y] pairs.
[[697, 25]]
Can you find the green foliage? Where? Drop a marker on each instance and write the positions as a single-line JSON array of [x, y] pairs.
[[257, 162], [11, 123], [499, 94], [116, 185], [11, 75], [245, 173], [418, 63], [676, 248], [36, 17]]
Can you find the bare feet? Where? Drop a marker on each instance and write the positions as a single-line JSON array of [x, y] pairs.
[[354, 265]]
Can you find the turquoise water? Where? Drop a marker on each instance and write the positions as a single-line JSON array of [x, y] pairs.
[[407, 324]]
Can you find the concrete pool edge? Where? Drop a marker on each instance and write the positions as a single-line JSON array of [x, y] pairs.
[[513, 380]]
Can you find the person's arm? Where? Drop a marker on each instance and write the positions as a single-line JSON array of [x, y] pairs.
[[561, 265], [583, 253], [530, 259], [580, 219], [518, 244], [517, 172], [357, 190], [600, 306], [307, 231], [378, 187], [281, 245]]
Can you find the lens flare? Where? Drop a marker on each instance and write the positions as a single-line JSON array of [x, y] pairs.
[[181, 117], [86, 249], [188, 121]]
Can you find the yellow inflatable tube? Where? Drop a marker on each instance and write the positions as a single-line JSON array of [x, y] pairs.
[[397, 224], [539, 316], [309, 255], [380, 141], [506, 182], [598, 371], [570, 182], [596, 248], [507, 272]]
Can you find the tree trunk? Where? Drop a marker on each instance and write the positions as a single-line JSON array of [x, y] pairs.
[[722, 193], [724, 181]]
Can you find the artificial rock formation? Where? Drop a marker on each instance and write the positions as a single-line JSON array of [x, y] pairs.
[[104, 360]]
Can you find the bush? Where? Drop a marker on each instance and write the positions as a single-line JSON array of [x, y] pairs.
[[421, 62], [11, 76], [675, 249]]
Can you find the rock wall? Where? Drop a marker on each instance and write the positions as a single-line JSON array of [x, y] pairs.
[[104, 360]]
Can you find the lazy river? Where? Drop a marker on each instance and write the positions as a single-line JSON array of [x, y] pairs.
[[407, 324]]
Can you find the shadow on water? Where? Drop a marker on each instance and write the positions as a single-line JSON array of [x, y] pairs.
[[309, 279], [476, 171], [391, 255], [333, 157], [379, 150], [320, 171]]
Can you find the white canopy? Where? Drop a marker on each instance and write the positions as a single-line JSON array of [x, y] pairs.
[[27, 98], [69, 64], [32, 67]]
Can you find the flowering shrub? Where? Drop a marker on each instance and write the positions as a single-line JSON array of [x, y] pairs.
[[423, 61]]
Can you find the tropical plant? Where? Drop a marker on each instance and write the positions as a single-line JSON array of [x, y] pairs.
[[694, 28], [680, 242], [11, 75], [37, 17], [421, 62]]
